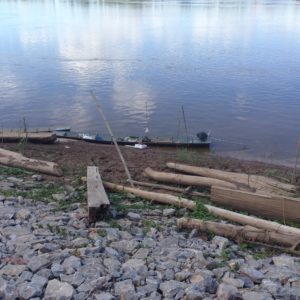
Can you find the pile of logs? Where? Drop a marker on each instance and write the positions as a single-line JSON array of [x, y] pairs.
[[253, 194]]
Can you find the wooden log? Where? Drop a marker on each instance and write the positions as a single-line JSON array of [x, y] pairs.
[[32, 137], [269, 206], [239, 233], [170, 188], [152, 196], [253, 221], [17, 160], [256, 182], [187, 179], [96, 196]]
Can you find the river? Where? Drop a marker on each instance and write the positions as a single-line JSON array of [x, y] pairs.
[[234, 66]]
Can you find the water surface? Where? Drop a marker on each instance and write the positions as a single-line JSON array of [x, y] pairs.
[[233, 65]]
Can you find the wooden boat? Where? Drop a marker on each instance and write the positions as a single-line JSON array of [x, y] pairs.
[[201, 140], [8, 136]]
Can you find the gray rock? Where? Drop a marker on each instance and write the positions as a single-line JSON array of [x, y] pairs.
[[44, 273], [169, 212], [57, 290], [193, 294], [220, 242], [134, 217], [112, 264], [283, 261], [148, 242], [38, 282], [12, 270], [23, 214], [169, 274], [228, 292], [3, 286], [210, 285], [249, 295], [238, 283], [255, 275], [141, 253], [182, 275], [124, 287], [59, 197], [104, 296], [91, 285], [71, 264], [271, 286], [37, 263], [125, 246], [37, 177], [57, 269], [80, 242], [171, 288], [25, 276], [138, 265], [26, 291]]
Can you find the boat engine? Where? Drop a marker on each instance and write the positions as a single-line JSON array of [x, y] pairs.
[[202, 136]]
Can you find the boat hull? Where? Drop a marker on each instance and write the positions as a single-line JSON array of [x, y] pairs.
[[167, 144]]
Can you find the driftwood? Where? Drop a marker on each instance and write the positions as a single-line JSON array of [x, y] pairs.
[[187, 179], [255, 182], [267, 232], [33, 137], [240, 233], [17, 160], [96, 196], [152, 196], [253, 221], [170, 188], [270, 206]]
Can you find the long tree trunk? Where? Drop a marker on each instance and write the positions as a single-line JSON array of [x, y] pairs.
[[239, 233], [187, 179], [156, 197], [14, 159], [256, 182], [253, 221], [170, 188]]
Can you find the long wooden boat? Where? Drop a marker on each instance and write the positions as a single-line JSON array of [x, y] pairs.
[[9, 136], [195, 142]]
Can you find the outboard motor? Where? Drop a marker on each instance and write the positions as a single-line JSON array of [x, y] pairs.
[[202, 136]]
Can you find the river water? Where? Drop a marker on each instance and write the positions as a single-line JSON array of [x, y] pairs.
[[234, 66]]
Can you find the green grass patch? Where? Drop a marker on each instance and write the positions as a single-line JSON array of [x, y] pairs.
[[202, 213], [148, 224], [8, 171]]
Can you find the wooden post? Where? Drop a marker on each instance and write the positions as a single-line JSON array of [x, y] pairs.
[[112, 137], [97, 198]]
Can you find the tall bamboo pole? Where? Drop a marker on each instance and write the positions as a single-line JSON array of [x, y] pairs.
[[112, 137], [296, 162]]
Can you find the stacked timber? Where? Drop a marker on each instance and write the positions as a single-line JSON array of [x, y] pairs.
[[269, 206], [254, 182], [187, 179], [32, 137]]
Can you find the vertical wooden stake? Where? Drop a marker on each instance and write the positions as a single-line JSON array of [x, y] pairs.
[[112, 137]]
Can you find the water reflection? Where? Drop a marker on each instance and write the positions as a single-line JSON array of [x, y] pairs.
[[233, 65]]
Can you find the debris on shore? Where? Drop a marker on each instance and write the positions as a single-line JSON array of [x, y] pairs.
[[136, 250]]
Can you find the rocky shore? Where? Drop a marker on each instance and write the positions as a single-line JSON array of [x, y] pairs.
[[49, 251]]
